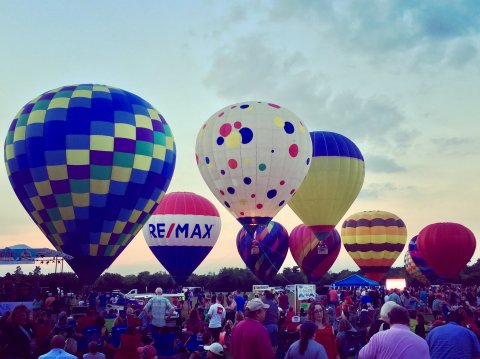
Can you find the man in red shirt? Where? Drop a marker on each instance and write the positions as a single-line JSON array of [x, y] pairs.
[[250, 339]]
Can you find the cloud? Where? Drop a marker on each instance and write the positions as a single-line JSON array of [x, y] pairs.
[[374, 191], [456, 146], [382, 164]]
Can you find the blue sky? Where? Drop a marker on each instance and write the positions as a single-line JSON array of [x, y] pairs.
[[399, 78]]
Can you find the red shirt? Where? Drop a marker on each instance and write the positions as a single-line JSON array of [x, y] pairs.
[[250, 340], [326, 337]]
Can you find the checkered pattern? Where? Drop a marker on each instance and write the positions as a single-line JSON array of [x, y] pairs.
[[89, 164]]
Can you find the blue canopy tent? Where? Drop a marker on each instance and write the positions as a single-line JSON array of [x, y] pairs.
[[355, 281]]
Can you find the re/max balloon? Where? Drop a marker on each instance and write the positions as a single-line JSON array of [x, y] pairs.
[[89, 163], [447, 247], [333, 182], [419, 261], [253, 157], [265, 252], [374, 240], [181, 232], [305, 250]]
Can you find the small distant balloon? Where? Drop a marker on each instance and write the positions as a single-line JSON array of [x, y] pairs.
[[181, 233], [89, 163], [309, 254], [253, 157], [265, 252], [413, 270]]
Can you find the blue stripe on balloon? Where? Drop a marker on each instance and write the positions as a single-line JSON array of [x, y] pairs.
[[333, 144]]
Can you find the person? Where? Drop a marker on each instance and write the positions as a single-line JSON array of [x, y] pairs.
[[381, 323], [238, 318], [420, 327], [71, 346], [93, 352], [231, 308], [158, 309], [271, 318], [63, 326], [17, 334], [249, 336], [147, 352], [283, 301], [398, 342], [240, 300], [452, 340], [347, 339], [394, 297], [214, 350], [216, 314], [333, 297], [324, 333], [306, 347], [57, 344]]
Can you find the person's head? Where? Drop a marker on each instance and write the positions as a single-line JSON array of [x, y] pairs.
[[57, 342], [239, 317], [19, 315], [228, 326], [256, 309], [455, 316], [386, 308], [70, 346], [159, 291], [193, 315], [317, 313], [147, 352], [307, 329], [214, 350], [93, 347], [268, 295], [344, 325], [219, 298], [398, 315]]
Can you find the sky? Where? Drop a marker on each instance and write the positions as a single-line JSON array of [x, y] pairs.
[[399, 78]]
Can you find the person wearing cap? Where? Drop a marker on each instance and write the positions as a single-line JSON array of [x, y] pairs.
[[214, 350], [398, 342], [249, 337], [306, 347], [452, 340]]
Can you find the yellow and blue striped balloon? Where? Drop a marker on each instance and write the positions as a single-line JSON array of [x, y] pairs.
[[374, 240], [89, 163]]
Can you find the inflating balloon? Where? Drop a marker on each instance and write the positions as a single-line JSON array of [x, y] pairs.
[[181, 232], [333, 182], [374, 240], [265, 252], [253, 157], [413, 270], [419, 261], [307, 252], [89, 163], [447, 247]]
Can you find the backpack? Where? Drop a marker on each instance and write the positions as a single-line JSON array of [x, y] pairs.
[[352, 343]]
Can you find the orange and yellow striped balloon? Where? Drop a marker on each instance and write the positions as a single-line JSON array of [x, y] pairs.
[[374, 240]]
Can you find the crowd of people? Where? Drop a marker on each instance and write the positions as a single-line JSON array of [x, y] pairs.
[[431, 322]]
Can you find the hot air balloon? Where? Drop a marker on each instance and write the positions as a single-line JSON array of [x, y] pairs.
[[419, 261], [413, 270], [89, 163], [306, 252], [374, 239], [181, 232], [333, 182], [447, 247], [253, 157], [265, 252]]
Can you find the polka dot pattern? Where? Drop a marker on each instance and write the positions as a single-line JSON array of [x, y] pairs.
[[248, 152]]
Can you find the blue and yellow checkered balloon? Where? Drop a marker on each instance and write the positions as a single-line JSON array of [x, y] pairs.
[[89, 163]]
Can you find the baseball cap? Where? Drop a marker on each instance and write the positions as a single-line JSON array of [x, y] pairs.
[[148, 351], [215, 348], [256, 304]]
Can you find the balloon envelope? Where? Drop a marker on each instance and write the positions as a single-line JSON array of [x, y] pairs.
[[413, 270], [272, 241], [447, 247], [333, 182], [181, 232], [374, 240], [304, 248], [419, 261], [253, 157], [89, 163]]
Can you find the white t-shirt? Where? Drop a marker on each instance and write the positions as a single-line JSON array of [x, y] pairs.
[[216, 314]]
